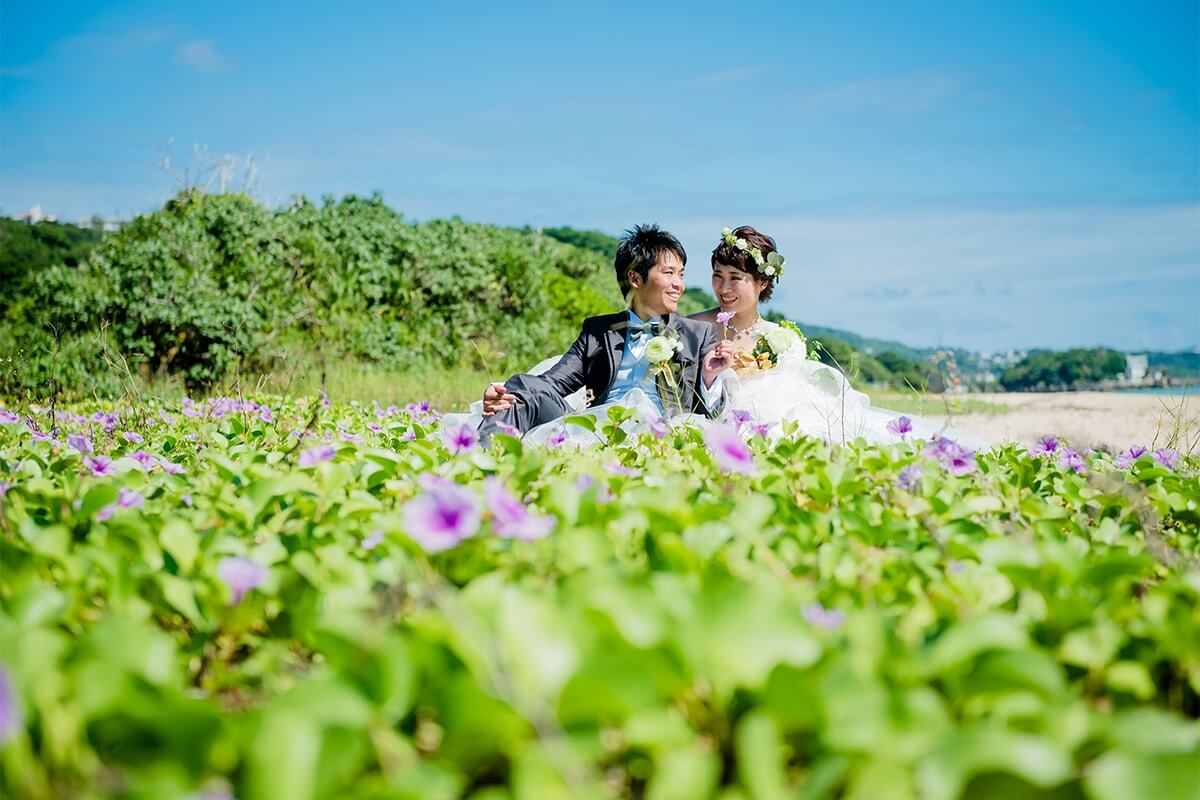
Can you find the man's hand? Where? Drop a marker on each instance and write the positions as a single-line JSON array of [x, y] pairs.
[[496, 399], [719, 359]]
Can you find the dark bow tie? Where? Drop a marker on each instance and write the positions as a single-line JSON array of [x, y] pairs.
[[654, 326]]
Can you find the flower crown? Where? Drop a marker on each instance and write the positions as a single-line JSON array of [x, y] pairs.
[[771, 266]]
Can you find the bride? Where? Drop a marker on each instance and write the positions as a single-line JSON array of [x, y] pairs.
[[776, 379]]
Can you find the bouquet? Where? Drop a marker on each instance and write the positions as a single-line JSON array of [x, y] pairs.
[[787, 338]]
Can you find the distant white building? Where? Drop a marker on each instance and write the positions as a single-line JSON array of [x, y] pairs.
[[1136, 367], [35, 215]]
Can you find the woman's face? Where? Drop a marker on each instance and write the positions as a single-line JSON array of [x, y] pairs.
[[735, 290]]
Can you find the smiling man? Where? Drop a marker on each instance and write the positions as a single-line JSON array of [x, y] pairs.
[[614, 355]]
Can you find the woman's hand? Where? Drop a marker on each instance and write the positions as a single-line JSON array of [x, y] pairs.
[[719, 359]]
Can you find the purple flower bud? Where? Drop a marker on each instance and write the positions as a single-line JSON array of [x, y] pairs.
[[723, 317], [240, 575], [170, 467], [144, 460], [105, 512], [8, 417], [374, 427], [614, 468], [81, 443], [372, 541], [761, 429], [128, 498], [557, 439], [133, 437]]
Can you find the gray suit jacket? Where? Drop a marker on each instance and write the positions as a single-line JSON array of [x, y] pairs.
[[593, 359]]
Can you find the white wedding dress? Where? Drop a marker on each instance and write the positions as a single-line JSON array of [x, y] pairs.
[[815, 396], [821, 402]]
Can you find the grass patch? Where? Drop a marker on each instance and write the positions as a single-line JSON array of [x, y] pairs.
[[932, 405]]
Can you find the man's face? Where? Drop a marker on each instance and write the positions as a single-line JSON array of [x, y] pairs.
[[659, 293]]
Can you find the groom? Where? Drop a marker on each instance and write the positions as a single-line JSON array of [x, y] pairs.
[[610, 358]]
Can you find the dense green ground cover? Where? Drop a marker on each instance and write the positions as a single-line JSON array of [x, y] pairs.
[[300, 600]]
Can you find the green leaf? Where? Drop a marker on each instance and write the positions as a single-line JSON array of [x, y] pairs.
[[180, 540], [283, 756], [1123, 776], [760, 757]]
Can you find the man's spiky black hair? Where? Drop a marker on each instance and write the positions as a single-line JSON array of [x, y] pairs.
[[640, 249]]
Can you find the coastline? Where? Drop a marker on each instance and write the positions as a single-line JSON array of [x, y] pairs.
[[1104, 420]]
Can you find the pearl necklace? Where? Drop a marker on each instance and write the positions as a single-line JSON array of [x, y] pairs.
[[739, 331]]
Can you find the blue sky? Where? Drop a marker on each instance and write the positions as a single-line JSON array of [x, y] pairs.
[[989, 175]]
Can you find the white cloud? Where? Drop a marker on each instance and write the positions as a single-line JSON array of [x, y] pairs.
[[201, 54]]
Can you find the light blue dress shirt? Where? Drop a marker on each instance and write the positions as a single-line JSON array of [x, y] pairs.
[[633, 371]]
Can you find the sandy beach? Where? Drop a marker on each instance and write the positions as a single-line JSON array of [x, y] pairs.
[[1088, 419]]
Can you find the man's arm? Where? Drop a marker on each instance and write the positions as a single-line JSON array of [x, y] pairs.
[[562, 379]]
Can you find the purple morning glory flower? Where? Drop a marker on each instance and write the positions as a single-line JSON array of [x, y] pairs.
[[81, 443], [374, 427], [510, 517], [316, 455], [128, 498], [444, 515], [900, 426], [1167, 457], [729, 451], [723, 317], [584, 482], [613, 468], [265, 415], [353, 438], [761, 429], [910, 477], [956, 459], [144, 460], [240, 575], [170, 467], [830, 619], [372, 541], [1071, 459], [8, 417], [660, 427], [100, 466], [1126, 459], [422, 407], [104, 512], [109, 421], [408, 436], [740, 417], [325, 400], [186, 500], [1045, 446], [460, 438], [10, 715], [133, 437], [558, 438]]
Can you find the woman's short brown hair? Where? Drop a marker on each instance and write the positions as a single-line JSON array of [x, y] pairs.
[[730, 255]]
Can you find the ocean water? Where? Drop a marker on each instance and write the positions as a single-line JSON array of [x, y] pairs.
[[1193, 388]]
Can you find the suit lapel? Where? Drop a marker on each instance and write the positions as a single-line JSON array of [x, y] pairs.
[[614, 349]]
